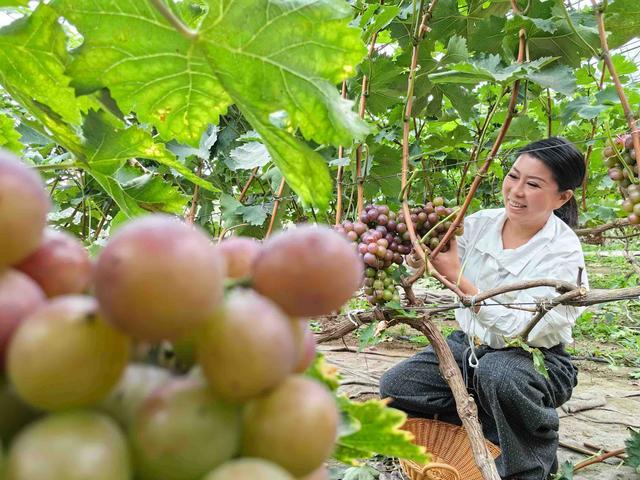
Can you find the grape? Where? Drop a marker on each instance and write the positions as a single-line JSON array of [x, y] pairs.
[[241, 355], [239, 254], [19, 297], [137, 383], [24, 205], [308, 271], [158, 279], [182, 431], [70, 446], [608, 151], [306, 342], [294, 425], [64, 355], [249, 469], [60, 265]]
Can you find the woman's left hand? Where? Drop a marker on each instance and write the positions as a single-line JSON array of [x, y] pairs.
[[448, 263]]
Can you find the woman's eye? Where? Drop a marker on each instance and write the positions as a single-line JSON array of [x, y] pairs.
[[531, 184], [512, 175]]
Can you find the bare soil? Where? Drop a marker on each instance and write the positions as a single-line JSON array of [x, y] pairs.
[[610, 398]]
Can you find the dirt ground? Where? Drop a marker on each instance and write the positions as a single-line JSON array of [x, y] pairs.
[[608, 402]]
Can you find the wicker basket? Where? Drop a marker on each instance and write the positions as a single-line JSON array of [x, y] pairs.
[[450, 450]]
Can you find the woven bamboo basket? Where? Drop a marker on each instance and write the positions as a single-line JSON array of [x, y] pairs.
[[450, 450]]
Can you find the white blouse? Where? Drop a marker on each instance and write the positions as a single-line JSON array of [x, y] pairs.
[[554, 253]]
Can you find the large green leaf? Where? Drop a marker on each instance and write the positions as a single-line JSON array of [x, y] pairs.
[[13, 3], [273, 58], [107, 148], [488, 68], [549, 34], [375, 428], [9, 137], [32, 63], [127, 204], [148, 66], [622, 20], [463, 17], [151, 191], [287, 55]]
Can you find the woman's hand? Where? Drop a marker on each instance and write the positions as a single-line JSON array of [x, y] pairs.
[[448, 263]]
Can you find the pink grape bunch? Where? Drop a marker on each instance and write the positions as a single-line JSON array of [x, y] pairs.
[[620, 158], [73, 397], [431, 222], [381, 247]]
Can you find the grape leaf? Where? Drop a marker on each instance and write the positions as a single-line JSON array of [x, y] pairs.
[[9, 137], [271, 59], [248, 156], [378, 432], [151, 191], [106, 149], [32, 64], [13, 3], [254, 214], [550, 35], [633, 450], [622, 20], [323, 372], [128, 205]]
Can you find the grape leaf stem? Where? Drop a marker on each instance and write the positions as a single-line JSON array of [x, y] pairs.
[[175, 22]]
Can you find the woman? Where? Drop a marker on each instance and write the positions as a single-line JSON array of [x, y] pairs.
[[530, 238]]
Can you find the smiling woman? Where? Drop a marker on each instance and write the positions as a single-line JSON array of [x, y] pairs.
[[529, 239]]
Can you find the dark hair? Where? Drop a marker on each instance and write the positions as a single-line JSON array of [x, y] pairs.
[[567, 166]]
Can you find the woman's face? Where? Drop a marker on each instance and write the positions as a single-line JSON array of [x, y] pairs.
[[531, 193]]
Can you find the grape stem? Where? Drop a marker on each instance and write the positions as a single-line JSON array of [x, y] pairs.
[[606, 56], [364, 93], [511, 111], [340, 174], [448, 217]]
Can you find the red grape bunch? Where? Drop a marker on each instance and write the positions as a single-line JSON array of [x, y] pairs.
[[74, 406], [620, 158], [381, 247], [431, 222]]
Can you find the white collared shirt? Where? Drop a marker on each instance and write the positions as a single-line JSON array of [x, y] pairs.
[[554, 253]]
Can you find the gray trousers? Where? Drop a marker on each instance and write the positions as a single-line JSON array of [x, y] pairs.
[[516, 404]]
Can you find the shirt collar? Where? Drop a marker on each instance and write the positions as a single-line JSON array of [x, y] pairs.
[[514, 260]]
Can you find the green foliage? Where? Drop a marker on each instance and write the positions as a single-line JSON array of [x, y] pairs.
[[633, 450], [9, 137], [374, 428]]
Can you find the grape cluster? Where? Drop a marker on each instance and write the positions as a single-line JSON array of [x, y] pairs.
[[431, 222], [382, 243], [621, 160], [73, 402]]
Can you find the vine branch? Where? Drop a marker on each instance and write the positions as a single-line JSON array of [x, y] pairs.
[[494, 150], [606, 56]]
